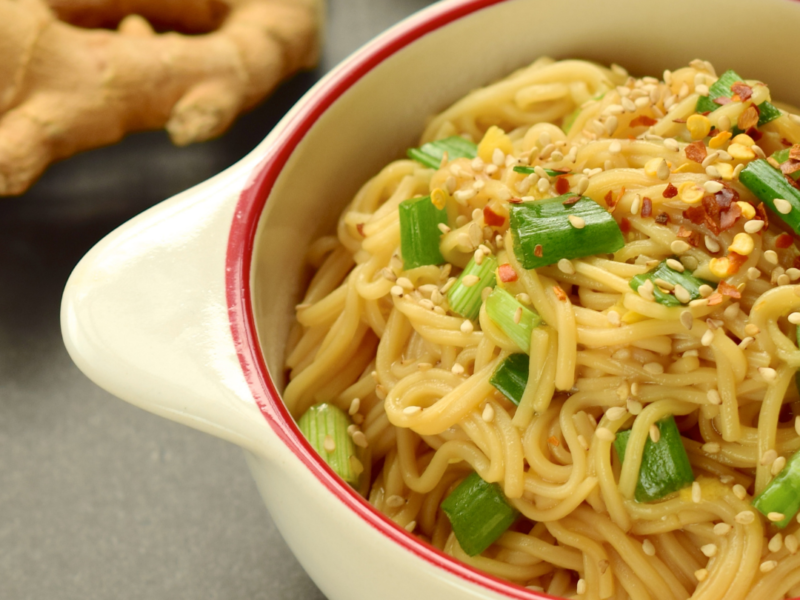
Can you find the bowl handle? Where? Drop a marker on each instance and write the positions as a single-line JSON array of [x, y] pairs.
[[144, 314]]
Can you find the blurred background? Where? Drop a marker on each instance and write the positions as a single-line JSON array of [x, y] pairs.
[[99, 499]]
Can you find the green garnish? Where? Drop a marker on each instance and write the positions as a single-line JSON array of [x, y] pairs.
[[781, 156], [511, 377], [665, 466], [769, 184], [479, 513], [419, 232], [326, 421], [721, 88], [430, 154], [782, 495], [465, 300], [685, 279], [545, 231], [502, 308], [529, 170]]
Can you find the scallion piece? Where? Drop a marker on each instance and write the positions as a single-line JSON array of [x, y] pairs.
[[325, 428], [546, 231], [503, 309], [781, 156], [529, 170], [511, 377], [479, 513], [419, 232], [782, 495], [430, 154], [465, 295], [721, 88], [665, 466], [769, 183], [685, 279]]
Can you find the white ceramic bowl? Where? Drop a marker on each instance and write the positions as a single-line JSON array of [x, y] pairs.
[[168, 311]]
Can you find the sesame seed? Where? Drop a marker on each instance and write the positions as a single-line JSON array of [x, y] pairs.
[[543, 185], [615, 413], [405, 283], [778, 465], [469, 280], [732, 311], [648, 548], [767, 373], [576, 221], [679, 246], [663, 170], [682, 294], [711, 244], [467, 327], [461, 196], [523, 298], [722, 529], [712, 187], [412, 410], [740, 493], [705, 290], [395, 501], [397, 291], [746, 342], [790, 541], [457, 369], [518, 315], [354, 406], [754, 226], [751, 329], [686, 319], [771, 257], [701, 574], [709, 159], [410, 527], [488, 413], [663, 284], [565, 266], [708, 338], [675, 265], [782, 206], [329, 444], [783, 279], [646, 290], [671, 144], [635, 388], [360, 440], [767, 566], [711, 448], [605, 434], [615, 147], [654, 368], [634, 407], [769, 457], [709, 550], [745, 517], [697, 493], [775, 543], [491, 170], [636, 205], [655, 433], [712, 171], [714, 397], [581, 587]]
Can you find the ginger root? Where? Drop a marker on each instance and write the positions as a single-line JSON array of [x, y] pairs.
[[65, 88]]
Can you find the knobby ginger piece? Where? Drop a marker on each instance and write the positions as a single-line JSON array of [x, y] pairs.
[[65, 88]]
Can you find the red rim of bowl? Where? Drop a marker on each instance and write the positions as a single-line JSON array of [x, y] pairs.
[[238, 290]]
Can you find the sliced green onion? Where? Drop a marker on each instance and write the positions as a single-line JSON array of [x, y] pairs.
[[570, 119], [721, 88], [503, 309], [544, 234], [325, 428], [529, 170], [511, 377], [781, 156], [465, 300], [479, 514], [689, 282], [419, 232], [782, 495], [431, 154], [665, 465], [769, 183]]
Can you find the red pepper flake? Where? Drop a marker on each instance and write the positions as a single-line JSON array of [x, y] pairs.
[[790, 166], [537, 251], [647, 207], [726, 196], [610, 203], [684, 233], [735, 261], [794, 152], [754, 134], [696, 214], [491, 218], [506, 273], [696, 239], [785, 142], [748, 118], [722, 100], [670, 191], [783, 241], [662, 218], [360, 228], [714, 299], [728, 218], [571, 200], [696, 151], [712, 212], [515, 200], [552, 440], [742, 90], [726, 289], [560, 294], [562, 185], [679, 120], [643, 120], [625, 225], [761, 211]]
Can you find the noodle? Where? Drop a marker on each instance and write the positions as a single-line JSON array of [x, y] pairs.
[[382, 342]]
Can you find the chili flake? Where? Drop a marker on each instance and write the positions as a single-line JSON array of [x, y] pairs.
[[696, 151], [729, 290], [491, 218], [670, 191], [506, 273], [647, 207], [783, 241]]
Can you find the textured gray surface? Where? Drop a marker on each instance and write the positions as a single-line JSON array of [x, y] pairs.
[[98, 499]]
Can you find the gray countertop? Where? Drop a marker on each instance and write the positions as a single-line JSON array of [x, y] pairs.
[[98, 499]]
